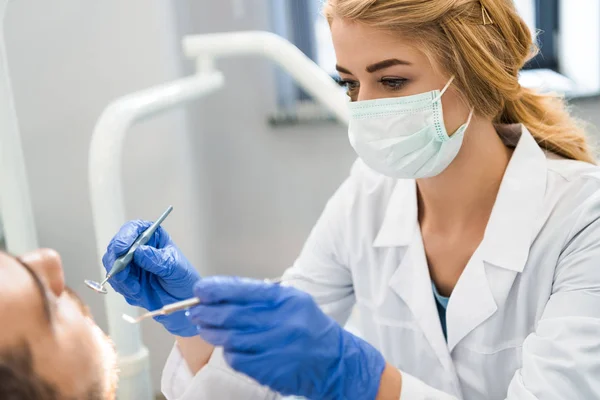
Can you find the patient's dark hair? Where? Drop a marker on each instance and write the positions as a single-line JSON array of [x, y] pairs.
[[19, 381]]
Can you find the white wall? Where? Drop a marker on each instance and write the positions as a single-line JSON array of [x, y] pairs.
[[267, 186], [579, 42], [68, 59]]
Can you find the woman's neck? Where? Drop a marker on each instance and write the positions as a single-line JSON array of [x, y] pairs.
[[463, 195]]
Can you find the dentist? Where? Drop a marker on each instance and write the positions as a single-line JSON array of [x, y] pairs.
[[466, 238]]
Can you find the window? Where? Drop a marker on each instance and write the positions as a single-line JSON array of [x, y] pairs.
[[300, 22], [294, 20], [542, 18]]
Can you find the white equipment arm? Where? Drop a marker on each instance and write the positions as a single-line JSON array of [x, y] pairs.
[[314, 80], [15, 203]]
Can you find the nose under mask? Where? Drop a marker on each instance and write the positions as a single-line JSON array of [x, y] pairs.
[[405, 137]]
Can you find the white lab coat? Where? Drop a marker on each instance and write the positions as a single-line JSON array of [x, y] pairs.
[[523, 320]]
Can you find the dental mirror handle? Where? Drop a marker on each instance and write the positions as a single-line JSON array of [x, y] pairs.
[[125, 259], [180, 305]]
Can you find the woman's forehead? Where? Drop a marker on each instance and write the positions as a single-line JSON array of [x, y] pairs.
[[358, 43]]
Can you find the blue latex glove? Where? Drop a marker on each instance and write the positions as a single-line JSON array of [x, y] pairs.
[[159, 274], [279, 336]]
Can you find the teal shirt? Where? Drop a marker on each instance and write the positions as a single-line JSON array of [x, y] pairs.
[[442, 304]]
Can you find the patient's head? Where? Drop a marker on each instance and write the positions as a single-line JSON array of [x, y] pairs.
[[50, 348]]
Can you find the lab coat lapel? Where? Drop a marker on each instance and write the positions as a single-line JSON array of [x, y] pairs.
[[471, 302], [412, 283], [488, 277], [411, 280]]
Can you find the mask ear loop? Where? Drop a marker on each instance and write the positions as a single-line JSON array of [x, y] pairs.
[[470, 118], [439, 96], [444, 91]]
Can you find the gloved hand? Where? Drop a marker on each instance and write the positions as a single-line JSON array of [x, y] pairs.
[[278, 336], [159, 274]]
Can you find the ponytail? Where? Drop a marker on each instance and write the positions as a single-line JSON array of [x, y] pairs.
[[549, 122]]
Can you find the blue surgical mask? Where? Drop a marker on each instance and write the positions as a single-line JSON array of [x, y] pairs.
[[404, 137]]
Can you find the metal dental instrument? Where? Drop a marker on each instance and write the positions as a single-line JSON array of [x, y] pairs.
[[178, 306], [166, 310], [125, 259]]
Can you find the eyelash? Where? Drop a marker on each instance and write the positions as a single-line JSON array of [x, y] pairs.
[[393, 84]]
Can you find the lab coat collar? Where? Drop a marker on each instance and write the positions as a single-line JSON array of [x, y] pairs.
[[400, 221], [510, 230]]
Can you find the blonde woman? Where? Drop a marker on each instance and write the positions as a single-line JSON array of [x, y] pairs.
[[467, 237]]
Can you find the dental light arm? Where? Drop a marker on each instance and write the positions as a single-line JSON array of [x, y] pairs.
[[314, 80]]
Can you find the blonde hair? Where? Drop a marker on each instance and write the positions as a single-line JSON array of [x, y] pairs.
[[485, 57]]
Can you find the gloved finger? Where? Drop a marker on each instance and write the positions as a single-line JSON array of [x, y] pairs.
[[132, 299], [235, 339], [236, 290], [108, 259], [233, 316], [160, 239], [123, 240], [160, 262], [130, 231], [216, 337], [246, 362], [130, 272], [127, 281]]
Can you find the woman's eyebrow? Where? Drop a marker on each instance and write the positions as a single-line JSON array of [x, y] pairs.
[[342, 70], [386, 64], [41, 289], [377, 66]]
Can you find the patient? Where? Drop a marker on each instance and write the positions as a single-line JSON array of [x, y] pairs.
[[50, 348]]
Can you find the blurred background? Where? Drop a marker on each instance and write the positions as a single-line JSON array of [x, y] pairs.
[[249, 168]]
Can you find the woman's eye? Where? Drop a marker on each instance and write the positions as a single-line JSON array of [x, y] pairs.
[[351, 86], [393, 83]]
